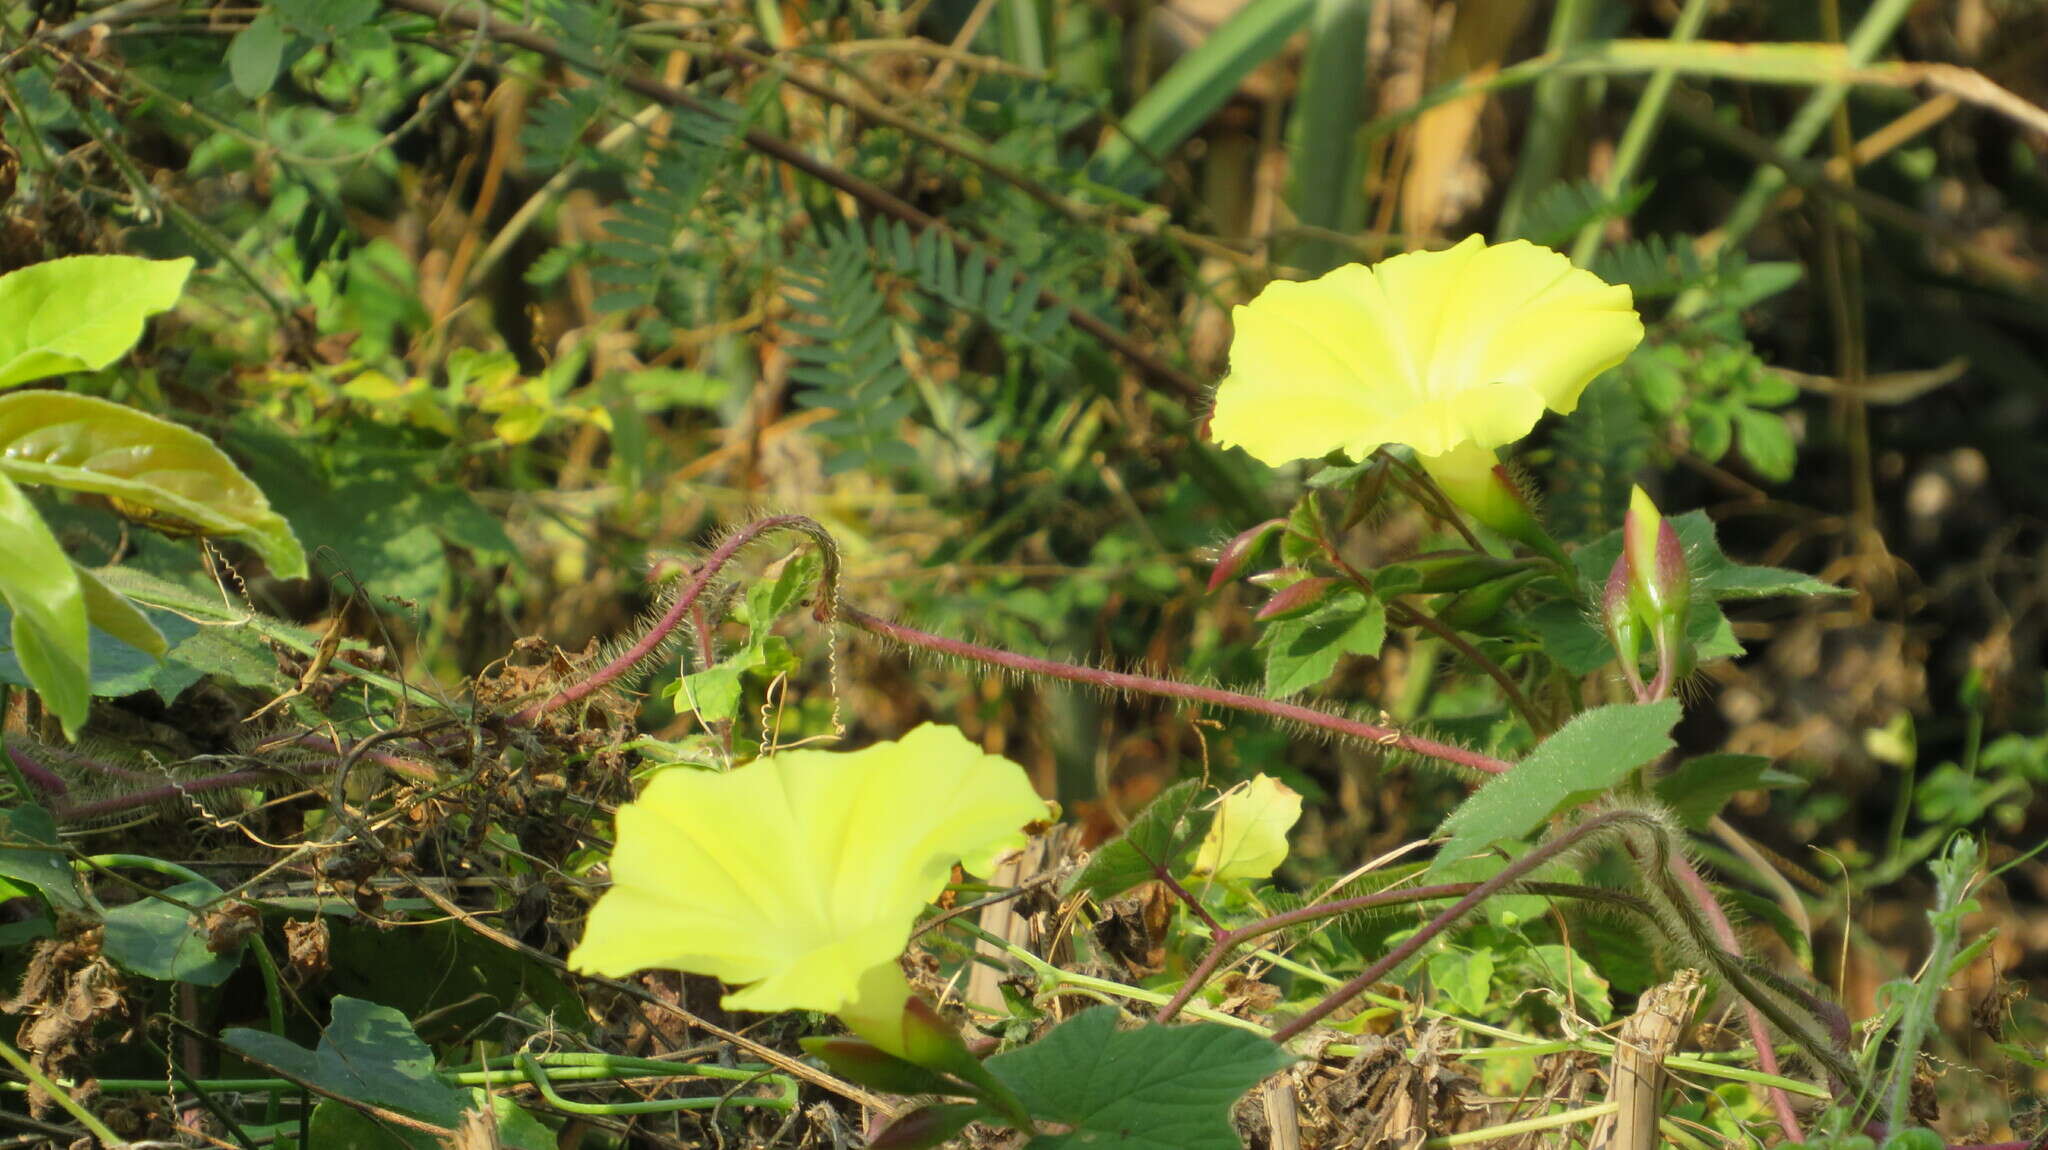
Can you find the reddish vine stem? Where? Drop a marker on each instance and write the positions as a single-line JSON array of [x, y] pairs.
[[1508, 876], [166, 793], [1219, 952], [1167, 688], [680, 609], [1231, 940], [1724, 933], [1172, 884]]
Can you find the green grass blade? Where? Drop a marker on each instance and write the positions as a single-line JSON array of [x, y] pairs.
[[1328, 111], [1199, 84], [1552, 119], [1642, 127]]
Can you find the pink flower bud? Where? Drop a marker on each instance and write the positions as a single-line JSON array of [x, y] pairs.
[[1237, 554], [1296, 599]]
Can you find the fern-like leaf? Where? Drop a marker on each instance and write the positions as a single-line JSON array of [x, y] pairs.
[[849, 362], [1560, 211], [1000, 295], [1601, 448], [638, 255]]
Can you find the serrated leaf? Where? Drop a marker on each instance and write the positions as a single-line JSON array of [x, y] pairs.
[[80, 313], [1586, 757], [369, 1053], [160, 940], [1302, 652], [83, 443], [1701, 786], [1152, 1088], [1247, 835], [49, 631], [1165, 830]]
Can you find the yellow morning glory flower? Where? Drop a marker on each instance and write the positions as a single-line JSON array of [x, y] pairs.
[[1454, 353], [797, 877]]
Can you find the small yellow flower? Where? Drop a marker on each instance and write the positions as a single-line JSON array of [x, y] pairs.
[[798, 876], [1454, 353]]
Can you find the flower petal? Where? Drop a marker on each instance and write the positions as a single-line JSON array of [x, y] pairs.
[[1438, 350], [1316, 367], [800, 873]]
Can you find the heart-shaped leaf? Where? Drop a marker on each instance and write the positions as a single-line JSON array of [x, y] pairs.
[[49, 631]]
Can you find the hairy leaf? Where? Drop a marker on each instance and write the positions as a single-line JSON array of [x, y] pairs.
[[1162, 833], [88, 444], [1302, 652], [1585, 757]]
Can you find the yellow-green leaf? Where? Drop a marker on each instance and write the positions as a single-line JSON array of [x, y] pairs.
[[88, 444], [117, 615], [1248, 836], [80, 313], [41, 586]]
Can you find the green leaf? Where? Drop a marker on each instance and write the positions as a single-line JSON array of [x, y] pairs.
[[80, 313], [1588, 755], [1569, 637], [256, 54], [1714, 574], [114, 613], [1303, 652], [49, 631], [1465, 977], [1152, 1088], [1167, 829], [87, 444], [324, 20], [368, 1053], [1764, 440], [713, 693], [156, 939], [1568, 968], [24, 828], [1701, 786]]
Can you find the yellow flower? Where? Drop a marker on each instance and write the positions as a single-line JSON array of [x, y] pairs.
[[798, 876], [1453, 353]]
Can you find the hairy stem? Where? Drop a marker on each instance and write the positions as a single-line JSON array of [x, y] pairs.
[[169, 792], [1221, 949], [651, 642], [1409, 947], [1724, 933], [1167, 688]]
